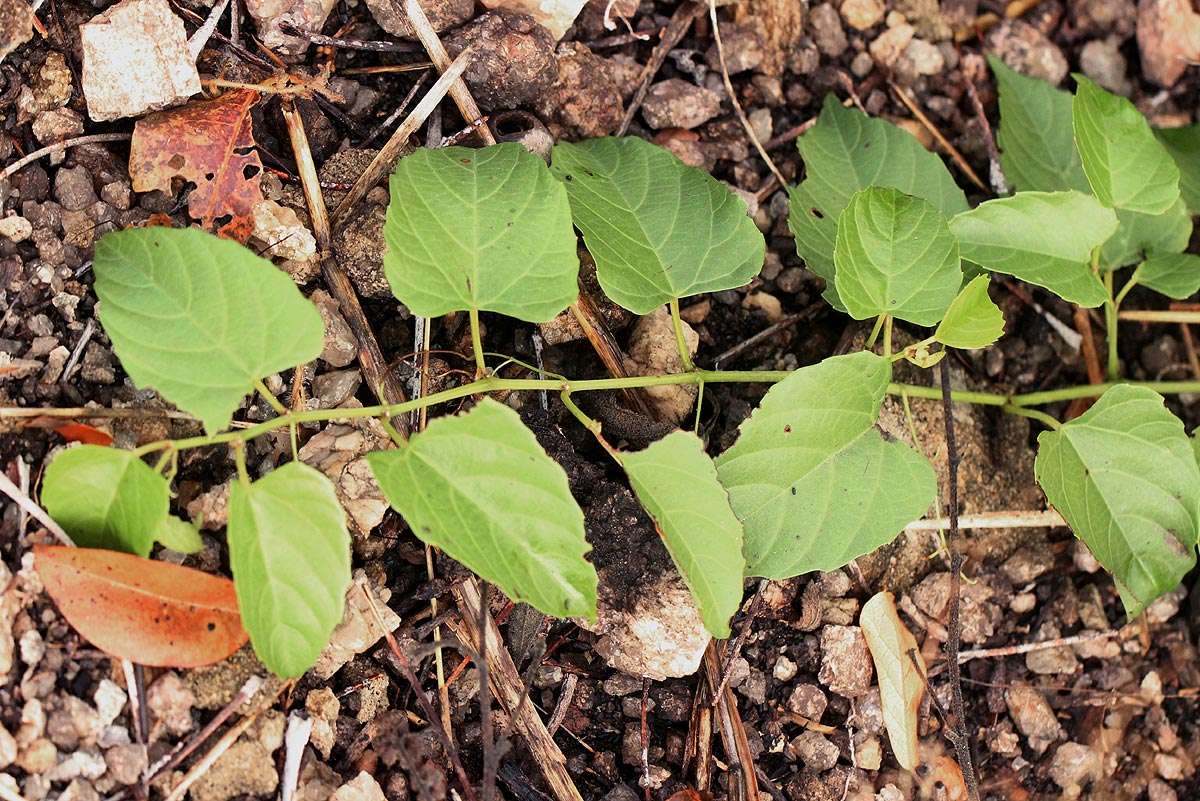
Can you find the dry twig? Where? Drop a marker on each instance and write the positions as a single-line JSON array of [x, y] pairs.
[[962, 745]]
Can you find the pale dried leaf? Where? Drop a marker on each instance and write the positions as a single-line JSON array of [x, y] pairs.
[[901, 673]]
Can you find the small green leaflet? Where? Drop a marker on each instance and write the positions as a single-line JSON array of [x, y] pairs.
[[676, 482], [847, 151], [1126, 166], [106, 498], [895, 255], [479, 486], [1175, 275], [1141, 235], [973, 320], [290, 555], [200, 318], [1125, 477], [1043, 238], [811, 478], [1184, 146], [658, 229], [1037, 146], [180, 536], [482, 229]]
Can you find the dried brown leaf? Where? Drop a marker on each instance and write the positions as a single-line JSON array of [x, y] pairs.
[[901, 673], [210, 143], [151, 612]]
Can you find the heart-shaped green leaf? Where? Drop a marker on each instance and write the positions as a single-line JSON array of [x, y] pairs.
[[1043, 238], [1037, 145], [1141, 235], [895, 255], [482, 229], [106, 498], [290, 555], [480, 487], [676, 482], [658, 229], [1126, 166], [1125, 477], [200, 318], [847, 151], [973, 320], [1176, 275], [1184, 146], [811, 478]]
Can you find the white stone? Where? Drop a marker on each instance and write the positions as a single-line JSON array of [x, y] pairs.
[[136, 59]]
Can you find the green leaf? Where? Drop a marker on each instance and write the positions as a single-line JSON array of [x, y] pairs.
[[200, 318], [1125, 477], [106, 498], [1126, 166], [676, 482], [1043, 238], [1141, 235], [895, 255], [290, 555], [486, 229], [180, 535], [973, 320], [1184, 146], [479, 486], [811, 478], [1176, 275], [1037, 146], [847, 151], [658, 229]]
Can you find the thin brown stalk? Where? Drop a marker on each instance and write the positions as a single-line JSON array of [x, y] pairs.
[[459, 92], [385, 159], [426, 705], [960, 740], [936, 133], [56, 147], [733, 98], [680, 21], [223, 744], [379, 375]]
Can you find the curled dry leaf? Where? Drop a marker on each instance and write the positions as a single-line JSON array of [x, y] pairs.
[[154, 613], [210, 143], [901, 673]]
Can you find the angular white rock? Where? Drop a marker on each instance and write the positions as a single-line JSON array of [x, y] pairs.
[[136, 59]]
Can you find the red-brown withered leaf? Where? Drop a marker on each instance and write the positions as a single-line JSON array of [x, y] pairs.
[[210, 143], [150, 612]]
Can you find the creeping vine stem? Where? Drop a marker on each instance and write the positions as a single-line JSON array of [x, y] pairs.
[[1018, 404]]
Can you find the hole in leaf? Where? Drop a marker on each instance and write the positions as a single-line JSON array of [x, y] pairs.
[[249, 171]]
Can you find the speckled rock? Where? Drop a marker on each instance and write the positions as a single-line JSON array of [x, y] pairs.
[[676, 103], [1028, 51], [442, 14], [513, 60]]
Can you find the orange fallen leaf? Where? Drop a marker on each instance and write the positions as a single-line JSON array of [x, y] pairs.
[[82, 432], [210, 143], [153, 613]]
